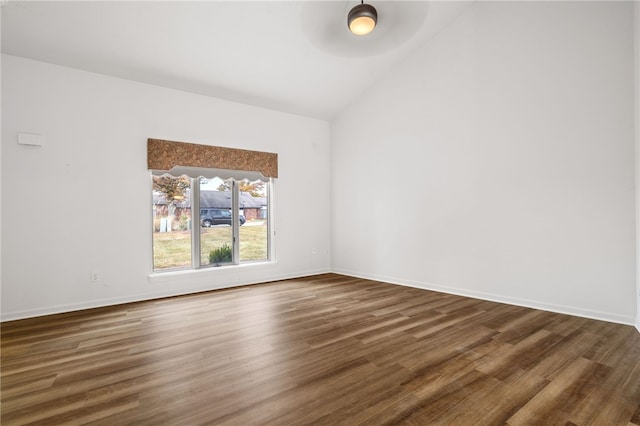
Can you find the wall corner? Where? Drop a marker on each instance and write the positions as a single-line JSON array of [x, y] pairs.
[[636, 26]]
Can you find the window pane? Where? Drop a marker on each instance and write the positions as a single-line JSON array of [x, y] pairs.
[[253, 206], [171, 222], [216, 233]]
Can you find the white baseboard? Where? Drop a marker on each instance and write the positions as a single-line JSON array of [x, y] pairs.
[[569, 310], [99, 303]]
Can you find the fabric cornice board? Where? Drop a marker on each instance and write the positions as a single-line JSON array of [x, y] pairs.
[[195, 160]]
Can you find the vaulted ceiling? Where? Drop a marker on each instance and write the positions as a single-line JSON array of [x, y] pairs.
[[291, 56]]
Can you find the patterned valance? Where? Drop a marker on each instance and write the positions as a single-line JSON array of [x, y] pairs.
[[165, 155]]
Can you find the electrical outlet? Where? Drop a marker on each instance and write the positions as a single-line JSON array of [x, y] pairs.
[[95, 276]]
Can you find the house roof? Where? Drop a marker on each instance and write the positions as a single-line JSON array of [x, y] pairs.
[[222, 200], [217, 199]]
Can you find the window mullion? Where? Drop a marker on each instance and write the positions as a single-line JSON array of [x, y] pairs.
[[195, 224], [235, 220], [270, 224]]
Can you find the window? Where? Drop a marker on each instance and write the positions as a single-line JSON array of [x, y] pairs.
[[171, 222], [211, 205], [203, 222]]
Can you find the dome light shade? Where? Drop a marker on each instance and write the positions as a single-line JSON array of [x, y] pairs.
[[362, 19]]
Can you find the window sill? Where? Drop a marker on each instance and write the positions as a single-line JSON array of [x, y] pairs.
[[174, 276]]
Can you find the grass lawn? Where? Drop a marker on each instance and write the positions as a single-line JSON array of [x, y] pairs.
[[173, 249]]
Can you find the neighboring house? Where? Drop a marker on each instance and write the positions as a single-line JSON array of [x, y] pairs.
[[161, 207], [251, 207], [260, 213]]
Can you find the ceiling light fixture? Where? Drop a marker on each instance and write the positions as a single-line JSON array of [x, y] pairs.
[[362, 19]]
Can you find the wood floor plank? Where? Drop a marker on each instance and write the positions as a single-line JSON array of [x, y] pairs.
[[554, 403], [325, 350]]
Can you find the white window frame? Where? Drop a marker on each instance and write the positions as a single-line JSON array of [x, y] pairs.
[[234, 176]]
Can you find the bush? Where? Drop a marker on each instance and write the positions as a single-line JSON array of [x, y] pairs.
[[222, 254], [184, 222]]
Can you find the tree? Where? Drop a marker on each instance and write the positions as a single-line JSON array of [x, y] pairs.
[[256, 189], [173, 188]]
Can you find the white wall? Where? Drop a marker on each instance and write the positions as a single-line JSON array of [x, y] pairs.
[[498, 162], [637, 109], [0, 164], [82, 202]]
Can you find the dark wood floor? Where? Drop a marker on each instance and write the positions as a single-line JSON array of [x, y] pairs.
[[323, 350]]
